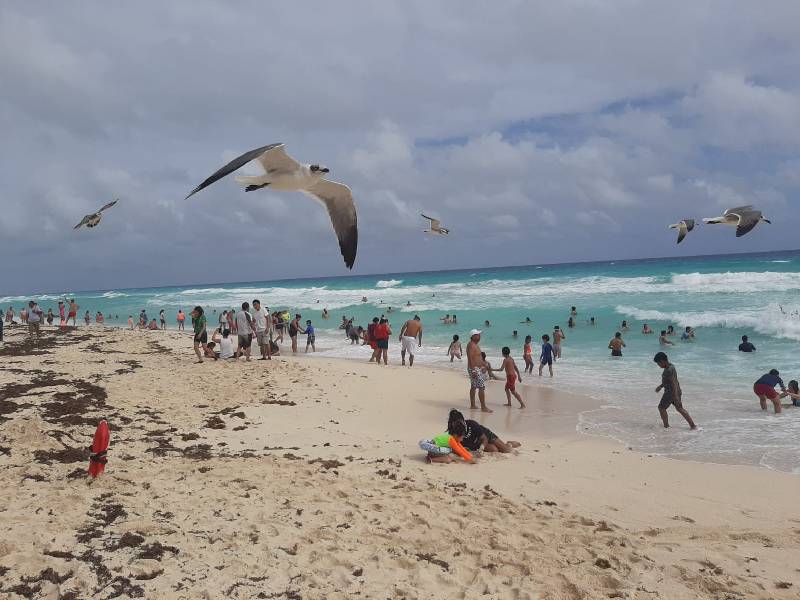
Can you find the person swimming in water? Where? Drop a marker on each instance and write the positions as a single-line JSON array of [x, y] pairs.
[[616, 344], [646, 329], [662, 339]]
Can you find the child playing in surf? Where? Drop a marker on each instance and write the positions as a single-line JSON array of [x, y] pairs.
[[512, 376], [547, 355], [441, 448], [527, 355], [793, 391], [454, 351]]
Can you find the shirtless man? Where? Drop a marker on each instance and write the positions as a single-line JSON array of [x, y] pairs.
[[409, 334], [477, 369], [73, 312], [616, 344]]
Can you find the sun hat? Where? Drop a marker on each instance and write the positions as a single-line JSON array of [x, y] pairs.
[[475, 332]]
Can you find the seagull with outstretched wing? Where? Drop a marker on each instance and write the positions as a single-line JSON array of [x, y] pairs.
[[744, 218], [283, 173], [435, 227], [683, 227], [93, 219]]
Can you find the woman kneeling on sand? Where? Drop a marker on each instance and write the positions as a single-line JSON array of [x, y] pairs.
[[477, 436]]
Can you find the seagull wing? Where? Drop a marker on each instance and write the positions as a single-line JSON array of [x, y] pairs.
[[275, 161], [682, 231], [109, 205], [689, 224], [236, 163], [435, 223], [83, 222], [739, 209], [747, 220], [338, 199]]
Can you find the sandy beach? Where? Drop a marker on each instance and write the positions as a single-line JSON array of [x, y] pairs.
[[301, 478]]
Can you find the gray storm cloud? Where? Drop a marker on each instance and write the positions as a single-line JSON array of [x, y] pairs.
[[521, 125]]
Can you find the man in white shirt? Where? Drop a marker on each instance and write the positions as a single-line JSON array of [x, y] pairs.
[[244, 326], [262, 322], [34, 318]]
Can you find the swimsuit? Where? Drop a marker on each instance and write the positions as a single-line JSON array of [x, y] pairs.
[[409, 344], [547, 354], [477, 378], [475, 431], [511, 381]]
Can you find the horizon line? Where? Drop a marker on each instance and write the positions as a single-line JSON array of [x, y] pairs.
[[496, 267]]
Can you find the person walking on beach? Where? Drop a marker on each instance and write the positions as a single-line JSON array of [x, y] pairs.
[[477, 370], [262, 322], [200, 333], [558, 337], [616, 344], [62, 315], [382, 334], [410, 332], [87, 317], [746, 346], [546, 358], [672, 391], [73, 312], [527, 354], [764, 388], [244, 327], [512, 376], [163, 318], [34, 318], [181, 320]]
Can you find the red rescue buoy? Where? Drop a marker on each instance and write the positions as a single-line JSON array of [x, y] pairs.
[[98, 458]]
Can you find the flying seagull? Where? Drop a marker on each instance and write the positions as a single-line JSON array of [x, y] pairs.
[[435, 227], [683, 227], [744, 218], [93, 219], [282, 172]]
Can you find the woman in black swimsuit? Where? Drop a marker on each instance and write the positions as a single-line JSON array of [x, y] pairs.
[[478, 435], [294, 328]]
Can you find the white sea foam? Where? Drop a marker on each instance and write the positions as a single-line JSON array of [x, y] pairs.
[[387, 283], [113, 294], [773, 319]]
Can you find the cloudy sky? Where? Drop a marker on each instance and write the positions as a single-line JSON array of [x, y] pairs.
[[540, 132]]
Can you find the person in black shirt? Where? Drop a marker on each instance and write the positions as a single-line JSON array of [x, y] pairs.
[[477, 435], [746, 346]]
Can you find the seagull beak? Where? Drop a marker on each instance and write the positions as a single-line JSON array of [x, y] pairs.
[[767, 221], [325, 170]]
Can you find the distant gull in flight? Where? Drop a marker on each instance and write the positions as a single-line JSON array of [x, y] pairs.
[[683, 227], [283, 173], [93, 219], [744, 218], [435, 227]]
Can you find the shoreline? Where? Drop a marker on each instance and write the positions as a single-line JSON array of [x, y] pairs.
[[531, 384]]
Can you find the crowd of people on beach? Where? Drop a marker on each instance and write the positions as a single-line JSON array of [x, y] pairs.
[[238, 330]]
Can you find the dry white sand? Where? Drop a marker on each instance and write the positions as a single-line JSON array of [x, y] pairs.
[[300, 478]]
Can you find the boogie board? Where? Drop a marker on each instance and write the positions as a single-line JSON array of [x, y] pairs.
[[98, 458]]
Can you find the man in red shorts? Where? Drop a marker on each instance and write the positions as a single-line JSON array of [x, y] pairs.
[[765, 388]]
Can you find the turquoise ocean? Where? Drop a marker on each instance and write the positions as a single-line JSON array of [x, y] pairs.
[[722, 297]]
